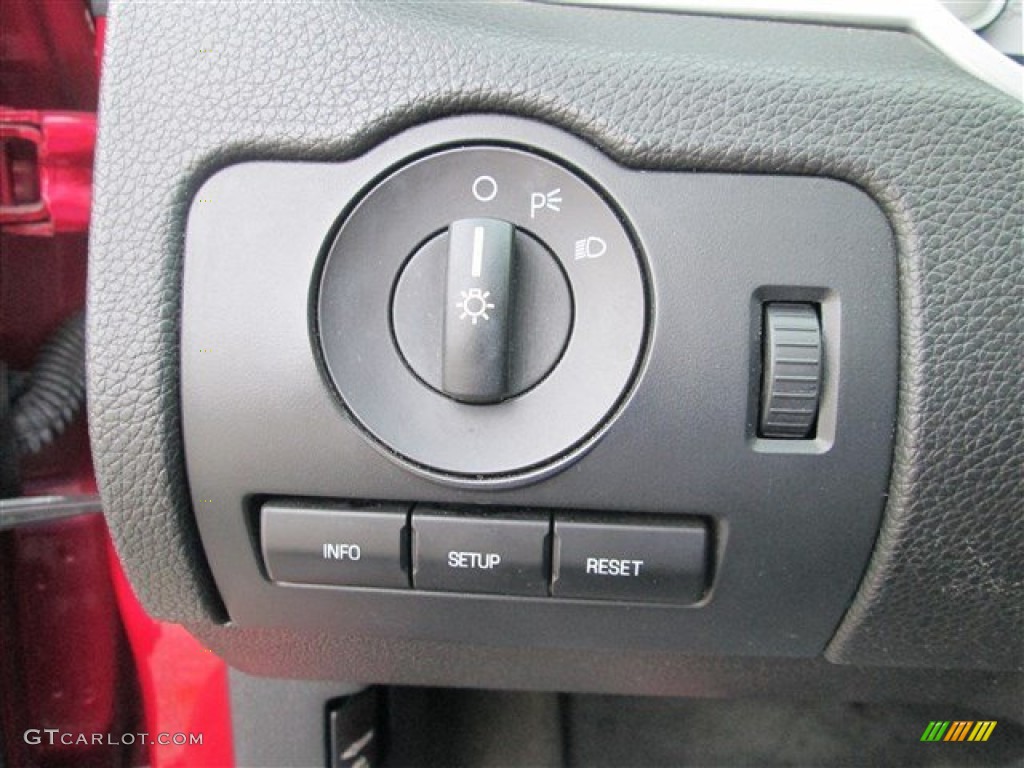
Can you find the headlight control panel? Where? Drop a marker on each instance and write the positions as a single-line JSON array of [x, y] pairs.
[[485, 384]]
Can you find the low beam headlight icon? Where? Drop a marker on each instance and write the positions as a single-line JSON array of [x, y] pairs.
[[590, 248]]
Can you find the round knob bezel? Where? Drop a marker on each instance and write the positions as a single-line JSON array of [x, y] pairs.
[[414, 423]]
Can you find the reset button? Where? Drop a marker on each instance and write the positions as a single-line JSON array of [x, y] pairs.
[[662, 563]]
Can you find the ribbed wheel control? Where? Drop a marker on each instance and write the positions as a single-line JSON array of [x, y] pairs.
[[792, 371]]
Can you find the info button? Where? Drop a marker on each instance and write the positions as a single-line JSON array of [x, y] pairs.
[[498, 554], [629, 561], [346, 546]]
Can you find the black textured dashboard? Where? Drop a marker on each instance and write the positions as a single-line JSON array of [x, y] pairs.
[[190, 88]]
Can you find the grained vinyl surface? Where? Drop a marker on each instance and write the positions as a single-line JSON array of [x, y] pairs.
[[191, 87]]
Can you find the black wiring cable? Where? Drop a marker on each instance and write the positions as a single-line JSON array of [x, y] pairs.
[[10, 483], [47, 402]]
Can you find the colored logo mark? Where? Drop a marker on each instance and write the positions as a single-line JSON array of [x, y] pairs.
[[958, 730]]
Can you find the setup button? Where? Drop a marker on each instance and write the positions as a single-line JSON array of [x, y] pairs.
[[501, 554]]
